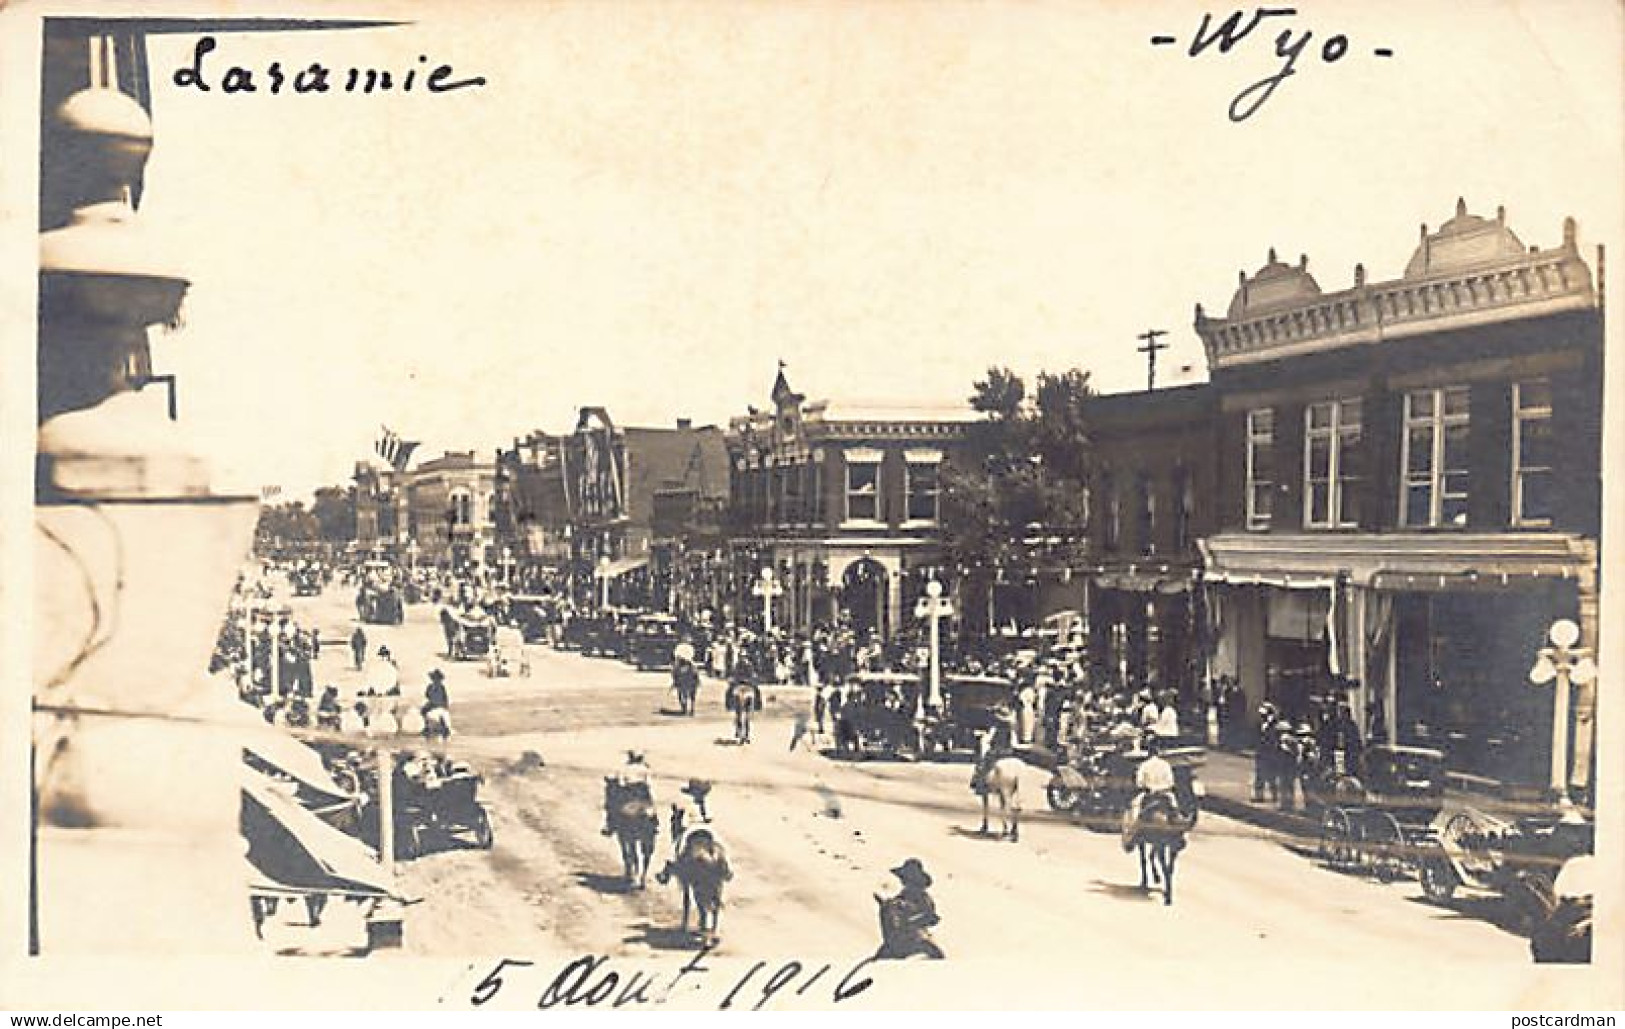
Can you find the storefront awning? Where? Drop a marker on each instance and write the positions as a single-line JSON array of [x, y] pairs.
[[620, 566], [294, 849], [1385, 560]]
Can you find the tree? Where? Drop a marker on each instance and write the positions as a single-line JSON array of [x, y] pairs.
[[334, 511], [1021, 497], [285, 523]]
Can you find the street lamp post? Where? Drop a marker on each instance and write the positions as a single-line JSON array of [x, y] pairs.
[[1563, 664], [934, 607], [768, 589], [507, 566], [603, 583]]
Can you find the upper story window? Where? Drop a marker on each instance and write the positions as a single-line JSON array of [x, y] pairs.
[[1114, 512], [815, 488], [1331, 464], [462, 508], [1435, 458], [1184, 508], [1146, 501], [1260, 467], [1532, 452], [862, 486], [924, 486]]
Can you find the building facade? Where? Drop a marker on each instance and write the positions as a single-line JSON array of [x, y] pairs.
[[1408, 491], [626, 511], [1150, 503], [842, 502]]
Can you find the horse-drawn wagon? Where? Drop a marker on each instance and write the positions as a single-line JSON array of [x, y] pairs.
[[879, 714], [1518, 860], [1382, 821]]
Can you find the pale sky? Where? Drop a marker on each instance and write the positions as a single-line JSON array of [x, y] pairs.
[[650, 204]]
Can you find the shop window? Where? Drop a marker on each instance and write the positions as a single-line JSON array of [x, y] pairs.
[[923, 488], [1260, 467], [1435, 458], [1331, 464], [1532, 453], [862, 490]]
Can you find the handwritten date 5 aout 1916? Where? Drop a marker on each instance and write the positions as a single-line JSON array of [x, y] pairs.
[[591, 981]]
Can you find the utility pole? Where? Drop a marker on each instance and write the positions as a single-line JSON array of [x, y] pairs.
[[1150, 351]]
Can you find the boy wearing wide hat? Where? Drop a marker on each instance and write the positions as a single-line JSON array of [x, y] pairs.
[[906, 919]]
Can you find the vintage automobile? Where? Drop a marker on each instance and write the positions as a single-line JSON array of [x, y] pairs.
[[597, 633], [306, 581], [437, 800], [1096, 784], [970, 705], [651, 642], [880, 714], [469, 634], [380, 600], [532, 615]]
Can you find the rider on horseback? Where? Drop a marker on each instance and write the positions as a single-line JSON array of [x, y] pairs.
[[634, 773], [1154, 784], [688, 819], [996, 743]]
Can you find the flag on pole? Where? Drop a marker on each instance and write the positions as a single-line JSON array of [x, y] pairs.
[[397, 451]]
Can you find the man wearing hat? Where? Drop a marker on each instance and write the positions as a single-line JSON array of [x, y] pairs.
[[906, 918], [1154, 776], [436, 707], [634, 772]]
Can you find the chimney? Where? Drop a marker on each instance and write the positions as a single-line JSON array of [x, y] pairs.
[[685, 423]]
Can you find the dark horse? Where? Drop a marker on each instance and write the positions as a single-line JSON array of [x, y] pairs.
[[701, 868], [685, 679], [1160, 836], [631, 817]]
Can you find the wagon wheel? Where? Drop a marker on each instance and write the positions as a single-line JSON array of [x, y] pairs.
[[484, 836], [1337, 839], [1439, 879], [1061, 798], [1384, 846]]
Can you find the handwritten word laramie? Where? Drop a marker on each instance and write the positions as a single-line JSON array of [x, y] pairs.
[[317, 77]]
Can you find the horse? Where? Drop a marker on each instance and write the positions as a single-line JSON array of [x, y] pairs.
[[1160, 836], [1000, 776], [630, 811], [701, 867], [448, 626], [686, 681]]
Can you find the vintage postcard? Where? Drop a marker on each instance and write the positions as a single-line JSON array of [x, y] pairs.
[[1051, 504]]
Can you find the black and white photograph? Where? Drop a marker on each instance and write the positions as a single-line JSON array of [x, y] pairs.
[[783, 506]]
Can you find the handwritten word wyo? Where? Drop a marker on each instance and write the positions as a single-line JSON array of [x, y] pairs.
[[1289, 46], [592, 981]]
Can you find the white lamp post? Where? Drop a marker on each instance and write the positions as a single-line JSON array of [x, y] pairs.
[[603, 582], [1563, 664], [768, 589], [934, 607]]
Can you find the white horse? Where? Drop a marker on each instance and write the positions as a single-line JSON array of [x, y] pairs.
[[999, 777]]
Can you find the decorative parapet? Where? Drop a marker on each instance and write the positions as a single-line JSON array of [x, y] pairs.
[[1537, 282]]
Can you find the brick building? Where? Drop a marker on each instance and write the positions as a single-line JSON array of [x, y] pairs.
[[1408, 489], [842, 500]]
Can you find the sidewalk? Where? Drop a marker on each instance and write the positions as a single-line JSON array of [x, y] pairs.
[[1228, 779]]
